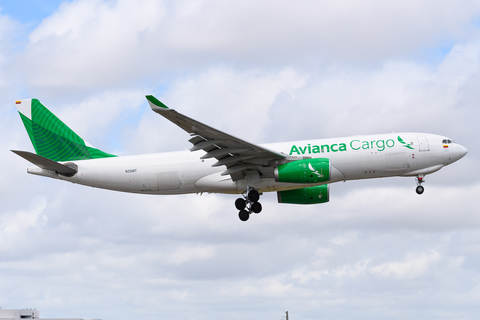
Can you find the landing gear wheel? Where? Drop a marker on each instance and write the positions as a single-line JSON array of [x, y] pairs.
[[253, 195], [419, 189], [240, 204], [244, 215], [248, 204], [256, 207]]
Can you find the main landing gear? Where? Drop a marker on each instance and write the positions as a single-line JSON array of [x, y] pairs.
[[420, 179], [248, 204]]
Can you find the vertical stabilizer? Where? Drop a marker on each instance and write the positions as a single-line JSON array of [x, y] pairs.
[[52, 138]]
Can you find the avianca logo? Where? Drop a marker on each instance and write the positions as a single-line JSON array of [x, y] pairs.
[[376, 145], [406, 145], [309, 149], [315, 171]]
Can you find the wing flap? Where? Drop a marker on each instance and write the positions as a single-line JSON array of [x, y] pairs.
[[204, 145], [234, 169]]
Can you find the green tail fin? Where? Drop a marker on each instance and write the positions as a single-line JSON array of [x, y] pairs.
[[52, 138]]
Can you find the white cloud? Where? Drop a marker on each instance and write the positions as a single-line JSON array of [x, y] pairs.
[[101, 116], [15, 227], [414, 266], [237, 103], [93, 43], [345, 239], [8, 33], [269, 287], [88, 43], [186, 254]]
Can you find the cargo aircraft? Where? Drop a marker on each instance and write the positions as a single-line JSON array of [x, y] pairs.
[[300, 171]]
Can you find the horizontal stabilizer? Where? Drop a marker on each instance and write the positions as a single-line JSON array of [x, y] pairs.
[[46, 164]]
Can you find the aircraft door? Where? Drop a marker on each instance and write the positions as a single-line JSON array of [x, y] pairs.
[[423, 143]]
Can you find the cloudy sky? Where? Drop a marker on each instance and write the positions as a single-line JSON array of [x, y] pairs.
[[265, 71]]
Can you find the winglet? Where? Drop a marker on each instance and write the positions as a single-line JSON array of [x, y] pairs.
[[154, 102]]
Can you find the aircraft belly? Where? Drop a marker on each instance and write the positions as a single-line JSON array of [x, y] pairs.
[[222, 184], [215, 182]]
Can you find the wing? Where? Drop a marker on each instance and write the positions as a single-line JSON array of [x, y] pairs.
[[237, 155]]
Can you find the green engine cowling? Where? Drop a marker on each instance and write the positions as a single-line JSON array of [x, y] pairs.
[[310, 195], [315, 170]]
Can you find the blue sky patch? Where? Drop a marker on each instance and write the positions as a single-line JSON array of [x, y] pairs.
[[28, 11]]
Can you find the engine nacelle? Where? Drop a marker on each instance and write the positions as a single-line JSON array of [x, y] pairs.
[[304, 171], [310, 195]]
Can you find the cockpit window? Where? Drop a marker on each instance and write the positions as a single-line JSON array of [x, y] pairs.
[[447, 141]]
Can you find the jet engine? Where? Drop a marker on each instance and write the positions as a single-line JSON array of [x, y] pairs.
[[310, 195], [304, 171]]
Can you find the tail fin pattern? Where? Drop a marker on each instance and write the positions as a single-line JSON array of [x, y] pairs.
[[52, 138]]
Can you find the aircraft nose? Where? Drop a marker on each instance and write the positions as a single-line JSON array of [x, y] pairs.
[[463, 151], [460, 152]]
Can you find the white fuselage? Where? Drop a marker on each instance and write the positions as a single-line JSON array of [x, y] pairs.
[[357, 157]]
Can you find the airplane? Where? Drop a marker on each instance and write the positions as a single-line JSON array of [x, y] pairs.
[[300, 171]]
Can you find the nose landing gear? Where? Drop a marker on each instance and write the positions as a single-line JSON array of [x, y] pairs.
[[420, 179], [248, 204]]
